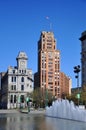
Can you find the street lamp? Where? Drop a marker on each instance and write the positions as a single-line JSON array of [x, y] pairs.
[[46, 98], [77, 70]]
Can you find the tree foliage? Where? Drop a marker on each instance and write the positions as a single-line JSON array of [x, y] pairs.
[[82, 99], [41, 97]]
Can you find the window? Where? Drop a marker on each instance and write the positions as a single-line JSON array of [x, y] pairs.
[[13, 71], [27, 85], [19, 71], [13, 79], [13, 87], [58, 90], [58, 83], [22, 98], [14, 98], [25, 71], [54, 46], [30, 86], [22, 71], [22, 87], [22, 79], [43, 46], [11, 99]]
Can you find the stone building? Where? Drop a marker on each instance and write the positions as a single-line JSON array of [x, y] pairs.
[[16, 83]]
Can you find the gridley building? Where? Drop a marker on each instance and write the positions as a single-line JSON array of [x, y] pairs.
[[49, 76], [16, 84]]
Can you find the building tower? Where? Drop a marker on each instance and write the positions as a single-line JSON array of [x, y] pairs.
[[83, 58], [22, 60], [48, 64]]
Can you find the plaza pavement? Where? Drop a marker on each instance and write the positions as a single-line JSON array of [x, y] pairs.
[[5, 111]]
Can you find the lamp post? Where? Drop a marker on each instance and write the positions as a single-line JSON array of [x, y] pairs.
[[46, 100], [77, 70]]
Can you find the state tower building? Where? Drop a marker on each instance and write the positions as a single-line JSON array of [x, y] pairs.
[[49, 75], [48, 64]]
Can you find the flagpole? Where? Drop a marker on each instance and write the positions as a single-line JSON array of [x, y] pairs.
[[50, 24]]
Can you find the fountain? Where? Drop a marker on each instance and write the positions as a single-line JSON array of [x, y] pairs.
[[67, 110]]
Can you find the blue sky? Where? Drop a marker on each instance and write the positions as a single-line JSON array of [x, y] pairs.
[[21, 22]]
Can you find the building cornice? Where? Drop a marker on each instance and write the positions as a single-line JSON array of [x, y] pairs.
[[82, 38]]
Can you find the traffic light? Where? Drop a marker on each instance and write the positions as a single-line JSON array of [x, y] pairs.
[[77, 69]]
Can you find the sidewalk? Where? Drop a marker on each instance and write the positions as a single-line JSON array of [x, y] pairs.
[[4, 111], [34, 112]]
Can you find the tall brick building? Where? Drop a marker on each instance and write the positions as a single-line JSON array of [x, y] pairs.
[[65, 84], [49, 76]]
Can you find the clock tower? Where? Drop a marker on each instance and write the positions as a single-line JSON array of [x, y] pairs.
[[22, 60]]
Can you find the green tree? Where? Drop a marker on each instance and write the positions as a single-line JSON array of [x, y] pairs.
[[41, 97]]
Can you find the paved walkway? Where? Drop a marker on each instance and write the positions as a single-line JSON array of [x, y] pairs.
[[8, 111], [4, 111]]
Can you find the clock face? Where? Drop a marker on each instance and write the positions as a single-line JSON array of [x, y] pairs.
[[22, 63]]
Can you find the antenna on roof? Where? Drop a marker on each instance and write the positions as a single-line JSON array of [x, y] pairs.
[[50, 24]]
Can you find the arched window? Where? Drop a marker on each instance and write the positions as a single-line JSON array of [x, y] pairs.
[[22, 79]]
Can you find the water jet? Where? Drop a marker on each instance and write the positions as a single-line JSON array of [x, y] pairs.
[[67, 110]]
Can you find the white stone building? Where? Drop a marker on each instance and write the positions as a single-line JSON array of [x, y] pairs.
[[17, 84]]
